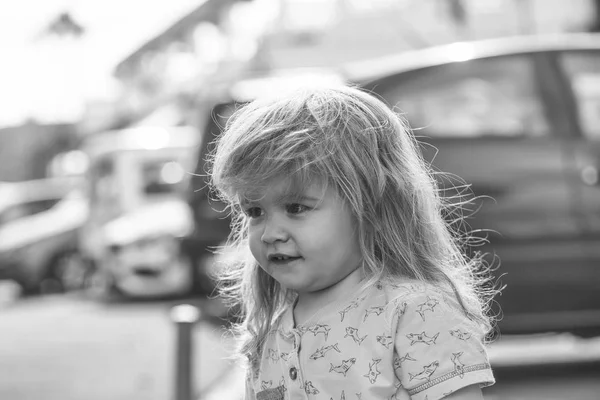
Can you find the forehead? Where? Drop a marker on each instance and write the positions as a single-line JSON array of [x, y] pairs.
[[280, 189]]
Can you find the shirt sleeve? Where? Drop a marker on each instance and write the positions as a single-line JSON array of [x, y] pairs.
[[438, 349]]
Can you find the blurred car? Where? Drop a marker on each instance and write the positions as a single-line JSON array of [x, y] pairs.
[[518, 120], [39, 225], [137, 213]]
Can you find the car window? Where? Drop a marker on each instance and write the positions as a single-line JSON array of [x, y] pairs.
[[583, 72], [162, 176], [485, 97]]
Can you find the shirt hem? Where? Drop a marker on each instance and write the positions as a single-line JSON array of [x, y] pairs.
[[454, 374]]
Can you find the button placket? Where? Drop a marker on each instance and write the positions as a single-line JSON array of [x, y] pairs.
[[292, 374], [295, 371], [298, 366]]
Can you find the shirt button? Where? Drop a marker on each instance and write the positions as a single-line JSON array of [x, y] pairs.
[[293, 373]]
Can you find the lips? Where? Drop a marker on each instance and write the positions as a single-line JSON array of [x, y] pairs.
[[281, 258]]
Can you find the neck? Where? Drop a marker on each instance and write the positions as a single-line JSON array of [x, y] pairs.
[[310, 304]]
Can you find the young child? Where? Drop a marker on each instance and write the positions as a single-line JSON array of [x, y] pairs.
[[356, 288]]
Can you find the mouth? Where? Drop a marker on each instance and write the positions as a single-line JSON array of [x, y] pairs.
[[282, 258]]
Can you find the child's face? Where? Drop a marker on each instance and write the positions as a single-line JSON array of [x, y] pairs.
[[304, 238]]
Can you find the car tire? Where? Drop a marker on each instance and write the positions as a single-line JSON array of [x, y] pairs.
[[28, 289], [101, 286], [69, 271], [60, 274]]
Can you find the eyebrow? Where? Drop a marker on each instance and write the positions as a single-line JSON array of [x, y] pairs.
[[297, 197], [287, 197]]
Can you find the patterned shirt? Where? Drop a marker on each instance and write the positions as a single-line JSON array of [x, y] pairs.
[[388, 342]]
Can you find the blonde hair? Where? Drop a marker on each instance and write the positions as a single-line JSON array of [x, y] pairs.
[[360, 147]]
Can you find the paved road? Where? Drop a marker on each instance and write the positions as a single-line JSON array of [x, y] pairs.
[[68, 348]]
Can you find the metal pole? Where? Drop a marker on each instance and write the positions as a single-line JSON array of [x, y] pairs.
[[185, 317]]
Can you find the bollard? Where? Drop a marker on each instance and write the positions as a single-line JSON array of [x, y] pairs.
[[185, 317]]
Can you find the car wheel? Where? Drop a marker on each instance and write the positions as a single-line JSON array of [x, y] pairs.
[[100, 285], [28, 289], [70, 270], [66, 269]]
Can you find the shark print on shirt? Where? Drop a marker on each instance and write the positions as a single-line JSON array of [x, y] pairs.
[[428, 370], [373, 310], [320, 329], [457, 333], [273, 355], [282, 385], [354, 304], [320, 353], [303, 329], [343, 367], [429, 305], [422, 338], [385, 341], [266, 384], [373, 371], [310, 389], [353, 333], [399, 360], [397, 386], [399, 307], [459, 367]]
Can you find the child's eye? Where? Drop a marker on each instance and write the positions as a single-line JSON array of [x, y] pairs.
[[253, 212], [296, 208]]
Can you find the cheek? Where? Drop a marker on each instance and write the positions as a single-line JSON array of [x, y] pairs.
[[255, 243], [349, 234]]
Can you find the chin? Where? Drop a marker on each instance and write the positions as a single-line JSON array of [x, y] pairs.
[[293, 286]]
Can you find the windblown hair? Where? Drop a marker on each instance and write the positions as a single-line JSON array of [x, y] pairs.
[[368, 154]]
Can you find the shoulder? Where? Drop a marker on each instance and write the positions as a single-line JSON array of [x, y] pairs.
[[415, 294], [421, 306], [408, 289], [435, 341]]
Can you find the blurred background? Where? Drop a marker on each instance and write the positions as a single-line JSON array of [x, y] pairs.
[[107, 112]]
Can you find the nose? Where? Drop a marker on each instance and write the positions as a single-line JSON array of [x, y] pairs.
[[274, 231]]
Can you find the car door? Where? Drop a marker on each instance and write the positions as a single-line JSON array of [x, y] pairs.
[[493, 124], [25, 231], [582, 79]]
